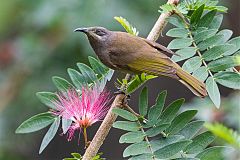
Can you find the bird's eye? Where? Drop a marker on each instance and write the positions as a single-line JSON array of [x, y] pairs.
[[100, 32]]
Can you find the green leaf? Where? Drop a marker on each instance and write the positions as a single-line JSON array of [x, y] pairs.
[[126, 125], [228, 79], [200, 142], [66, 123], [138, 81], [146, 156], [97, 66], [136, 149], [191, 129], [213, 91], [180, 43], [132, 137], [171, 149], [216, 51], [212, 153], [221, 8], [50, 134], [177, 32], [70, 159], [61, 84], [77, 78], [192, 64], [97, 157], [162, 142], [227, 134], [223, 63], [207, 19], [180, 121], [170, 112], [199, 29], [87, 73], [76, 155], [195, 17], [156, 130], [216, 22], [125, 114], [236, 42], [109, 74], [227, 35], [166, 8], [135, 83], [205, 34], [143, 102], [36, 123], [210, 42], [155, 111], [186, 159], [127, 26], [47, 98], [176, 21], [201, 73], [184, 53]]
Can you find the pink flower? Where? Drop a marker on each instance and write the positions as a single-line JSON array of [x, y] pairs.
[[84, 110]]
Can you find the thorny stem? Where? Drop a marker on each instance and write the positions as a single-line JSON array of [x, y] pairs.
[[193, 42], [106, 125]]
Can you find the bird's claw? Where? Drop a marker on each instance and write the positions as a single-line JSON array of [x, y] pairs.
[[119, 92], [127, 96]]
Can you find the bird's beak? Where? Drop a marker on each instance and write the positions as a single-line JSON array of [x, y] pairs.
[[84, 30]]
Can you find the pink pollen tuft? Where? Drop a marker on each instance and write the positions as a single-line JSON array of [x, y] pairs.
[[84, 110]]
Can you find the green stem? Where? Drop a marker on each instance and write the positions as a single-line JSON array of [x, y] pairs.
[[85, 137], [148, 142], [187, 26], [128, 108]]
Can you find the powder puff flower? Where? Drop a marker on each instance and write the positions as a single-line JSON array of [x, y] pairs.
[[84, 110]]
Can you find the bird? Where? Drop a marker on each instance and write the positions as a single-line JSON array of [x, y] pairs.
[[135, 55]]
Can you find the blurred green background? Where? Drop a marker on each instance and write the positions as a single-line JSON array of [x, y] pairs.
[[37, 42]]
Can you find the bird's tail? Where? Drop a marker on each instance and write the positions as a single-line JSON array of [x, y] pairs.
[[196, 86]]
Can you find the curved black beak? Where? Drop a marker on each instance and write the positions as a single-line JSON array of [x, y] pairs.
[[84, 30]]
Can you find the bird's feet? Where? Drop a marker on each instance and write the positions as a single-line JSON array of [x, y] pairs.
[[128, 96]]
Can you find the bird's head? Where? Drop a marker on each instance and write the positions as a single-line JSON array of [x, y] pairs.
[[96, 34]]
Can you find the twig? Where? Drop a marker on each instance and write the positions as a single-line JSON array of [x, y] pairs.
[[235, 70], [148, 142], [106, 125], [194, 43], [128, 108]]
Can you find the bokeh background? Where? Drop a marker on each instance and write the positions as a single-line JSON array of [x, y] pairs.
[[37, 42]]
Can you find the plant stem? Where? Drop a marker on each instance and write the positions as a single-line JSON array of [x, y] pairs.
[[85, 137], [131, 110], [234, 69], [148, 142], [106, 125], [193, 42]]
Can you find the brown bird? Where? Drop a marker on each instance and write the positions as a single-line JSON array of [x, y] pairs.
[[132, 54]]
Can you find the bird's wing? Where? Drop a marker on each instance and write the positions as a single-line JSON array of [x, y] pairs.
[[135, 55], [159, 47], [154, 65]]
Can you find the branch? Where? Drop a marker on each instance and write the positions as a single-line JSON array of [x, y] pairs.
[[106, 125]]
